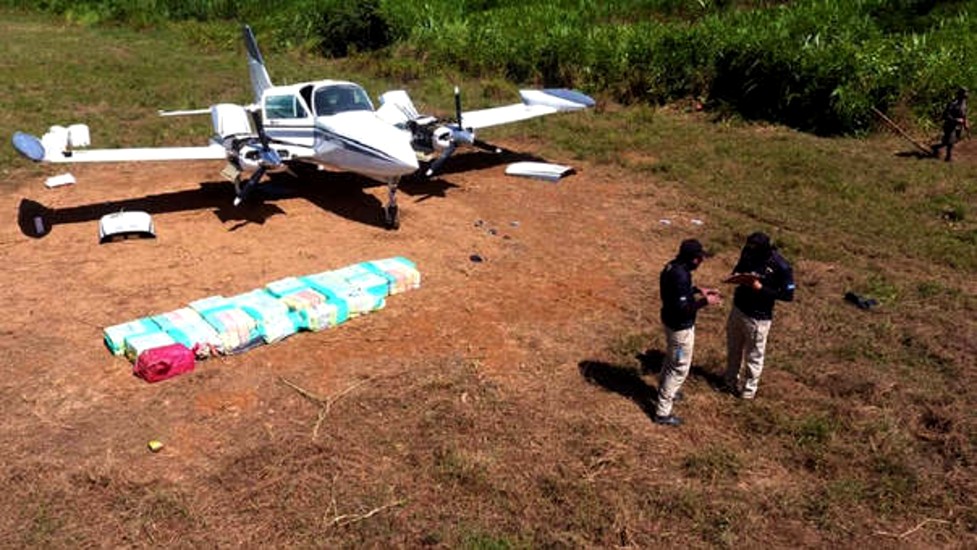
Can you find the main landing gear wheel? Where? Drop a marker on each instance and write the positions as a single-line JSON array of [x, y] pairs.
[[391, 217]]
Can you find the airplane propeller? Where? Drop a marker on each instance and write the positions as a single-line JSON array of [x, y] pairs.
[[268, 158], [452, 135]]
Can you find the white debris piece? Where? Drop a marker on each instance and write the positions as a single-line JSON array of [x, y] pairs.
[[538, 170], [123, 225], [59, 180]]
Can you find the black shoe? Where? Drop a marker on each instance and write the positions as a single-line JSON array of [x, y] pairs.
[[679, 396], [670, 420], [726, 387]]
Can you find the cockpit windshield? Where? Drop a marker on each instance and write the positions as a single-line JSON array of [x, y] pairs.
[[338, 98]]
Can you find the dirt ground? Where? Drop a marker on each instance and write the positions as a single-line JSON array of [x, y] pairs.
[[556, 256], [564, 265]]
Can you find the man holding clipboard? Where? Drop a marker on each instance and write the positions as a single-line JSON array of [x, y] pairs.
[[762, 277]]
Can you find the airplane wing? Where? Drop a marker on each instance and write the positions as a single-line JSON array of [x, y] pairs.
[[64, 145], [534, 103], [210, 152]]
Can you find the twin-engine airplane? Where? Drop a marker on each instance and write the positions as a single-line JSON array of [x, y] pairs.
[[330, 124]]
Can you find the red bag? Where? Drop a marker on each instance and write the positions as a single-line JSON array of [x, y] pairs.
[[163, 362]]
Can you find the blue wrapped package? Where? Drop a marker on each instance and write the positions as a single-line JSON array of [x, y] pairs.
[[189, 328], [136, 344], [115, 335], [367, 295], [315, 310], [366, 278], [275, 321], [237, 330], [401, 274]]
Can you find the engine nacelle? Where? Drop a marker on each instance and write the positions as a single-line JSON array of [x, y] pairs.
[[230, 120], [444, 136], [441, 137], [253, 157]]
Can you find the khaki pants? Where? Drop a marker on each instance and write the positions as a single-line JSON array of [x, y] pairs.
[[675, 368], [746, 341]]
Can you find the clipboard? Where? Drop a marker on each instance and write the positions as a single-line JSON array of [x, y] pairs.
[[742, 278]]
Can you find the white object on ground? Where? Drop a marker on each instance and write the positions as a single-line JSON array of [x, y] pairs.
[[538, 170], [59, 180], [125, 224]]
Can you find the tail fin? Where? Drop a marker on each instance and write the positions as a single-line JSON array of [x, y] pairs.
[[256, 65]]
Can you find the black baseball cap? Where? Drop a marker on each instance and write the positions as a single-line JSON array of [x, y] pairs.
[[691, 248], [759, 243], [758, 239]]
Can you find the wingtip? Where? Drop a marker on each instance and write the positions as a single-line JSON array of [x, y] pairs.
[[29, 146], [574, 96]]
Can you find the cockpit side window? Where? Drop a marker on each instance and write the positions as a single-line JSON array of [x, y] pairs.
[[284, 106], [340, 98]]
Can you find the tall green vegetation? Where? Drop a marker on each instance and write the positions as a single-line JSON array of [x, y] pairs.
[[817, 65]]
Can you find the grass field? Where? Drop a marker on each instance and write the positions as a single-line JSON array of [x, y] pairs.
[[882, 438]]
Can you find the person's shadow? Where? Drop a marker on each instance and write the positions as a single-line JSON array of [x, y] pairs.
[[917, 154], [628, 382]]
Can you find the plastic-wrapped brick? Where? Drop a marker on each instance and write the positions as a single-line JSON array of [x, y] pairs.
[[115, 335], [402, 274], [238, 331], [315, 310], [275, 320], [189, 328]]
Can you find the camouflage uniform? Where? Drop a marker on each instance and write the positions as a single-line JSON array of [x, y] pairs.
[[954, 122]]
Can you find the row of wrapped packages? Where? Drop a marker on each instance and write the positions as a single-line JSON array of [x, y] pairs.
[[228, 325]]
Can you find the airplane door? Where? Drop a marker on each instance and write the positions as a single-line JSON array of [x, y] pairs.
[[287, 118]]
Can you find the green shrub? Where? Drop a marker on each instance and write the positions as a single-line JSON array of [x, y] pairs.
[[816, 65]]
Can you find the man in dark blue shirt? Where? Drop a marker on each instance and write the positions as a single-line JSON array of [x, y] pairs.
[[763, 276], [681, 300]]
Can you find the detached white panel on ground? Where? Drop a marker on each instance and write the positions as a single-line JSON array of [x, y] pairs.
[[538, 170]]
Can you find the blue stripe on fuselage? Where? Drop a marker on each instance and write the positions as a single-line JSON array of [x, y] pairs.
[[325, 134]]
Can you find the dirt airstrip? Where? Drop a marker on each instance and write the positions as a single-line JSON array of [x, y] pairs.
[[566, 268]]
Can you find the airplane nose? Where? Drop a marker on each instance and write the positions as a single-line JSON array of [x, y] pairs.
[[406, 159], [371, 146], [399, 158]]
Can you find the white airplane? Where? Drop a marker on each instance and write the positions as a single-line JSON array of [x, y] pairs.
[[330, 124]]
